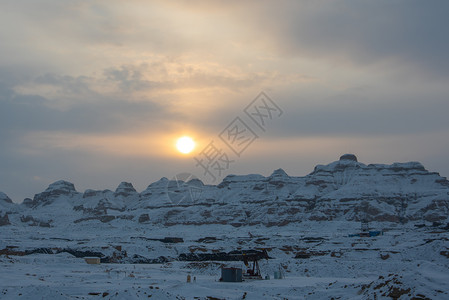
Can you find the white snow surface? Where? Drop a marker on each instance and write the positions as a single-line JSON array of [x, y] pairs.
[[404, 259], [308, 217]]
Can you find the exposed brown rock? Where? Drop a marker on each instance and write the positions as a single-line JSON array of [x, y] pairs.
[[4, 220]]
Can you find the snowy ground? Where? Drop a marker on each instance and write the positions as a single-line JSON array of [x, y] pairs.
[[405, 262]]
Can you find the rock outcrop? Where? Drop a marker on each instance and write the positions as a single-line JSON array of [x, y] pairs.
[[342, 190], [54, 191], [125, 189], [4, 220], [4, 198], [6, 206]]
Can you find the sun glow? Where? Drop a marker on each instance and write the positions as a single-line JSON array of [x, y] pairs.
[[185, 144]]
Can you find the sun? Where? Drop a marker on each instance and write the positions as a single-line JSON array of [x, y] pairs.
[[185, 144]]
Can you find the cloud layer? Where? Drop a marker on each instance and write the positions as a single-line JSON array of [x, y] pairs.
[[97, 92]]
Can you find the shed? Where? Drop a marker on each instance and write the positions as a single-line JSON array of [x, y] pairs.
[[231, 275], [92, 260]]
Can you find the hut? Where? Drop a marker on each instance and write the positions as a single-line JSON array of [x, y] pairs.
[[231, 275], [92, 260]]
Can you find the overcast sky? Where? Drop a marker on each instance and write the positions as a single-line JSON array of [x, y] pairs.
[[97, 92]]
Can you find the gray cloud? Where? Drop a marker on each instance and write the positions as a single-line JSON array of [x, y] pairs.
[[405, 33], [68, 85], [368, 112], [129, 78], [33, 113], [375, 70]]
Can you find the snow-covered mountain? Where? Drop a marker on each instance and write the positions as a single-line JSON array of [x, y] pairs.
[[342, 190], [149, 242]]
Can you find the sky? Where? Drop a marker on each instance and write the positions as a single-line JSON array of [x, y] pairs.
[[97, 92]]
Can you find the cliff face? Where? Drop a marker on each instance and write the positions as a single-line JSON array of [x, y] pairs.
[[397, 192], [342, 190]]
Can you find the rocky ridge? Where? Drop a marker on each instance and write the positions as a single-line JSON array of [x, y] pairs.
[[342, 190]]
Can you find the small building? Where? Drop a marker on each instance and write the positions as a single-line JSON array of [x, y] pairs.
[[231, 275], [92, 260], [365, 232]]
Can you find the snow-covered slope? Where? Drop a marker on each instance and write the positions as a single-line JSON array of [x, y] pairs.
[[342, 190], [149, 242]]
